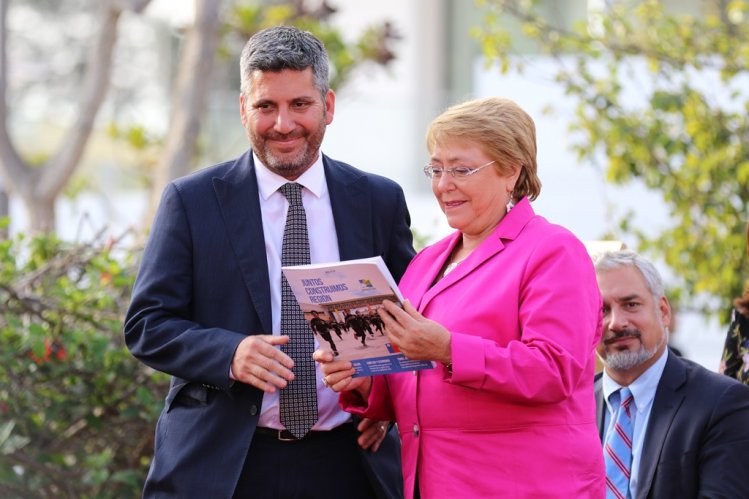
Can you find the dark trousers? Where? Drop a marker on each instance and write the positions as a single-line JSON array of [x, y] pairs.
[[324, 465]]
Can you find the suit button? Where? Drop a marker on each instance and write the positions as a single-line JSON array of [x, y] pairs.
[[253, 410], [416, 430]]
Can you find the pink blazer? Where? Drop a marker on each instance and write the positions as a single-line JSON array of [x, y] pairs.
[[516, 418]]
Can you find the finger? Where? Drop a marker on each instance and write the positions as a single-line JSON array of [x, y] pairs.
[[364, 441], [275, 353], [269, 386], [340, 380], [390, 306], [374, 436], [387, 317], [380, 438], [274, 340], [274, 364], [266, 379], [323, 355], [411, 310], [255, 347], [365, 424], [337, 366], [370, 433]]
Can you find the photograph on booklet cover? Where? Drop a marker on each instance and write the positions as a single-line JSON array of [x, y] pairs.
[[340, 302]]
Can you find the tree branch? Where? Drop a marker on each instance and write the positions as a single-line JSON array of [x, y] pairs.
[[14, 171], [63, 163], [190, 97]]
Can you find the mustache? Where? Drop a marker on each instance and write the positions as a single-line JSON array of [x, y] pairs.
[[283, 136], [624, 333]]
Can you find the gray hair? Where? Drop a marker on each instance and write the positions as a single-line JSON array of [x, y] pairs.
[[284, 47], [611, 260]]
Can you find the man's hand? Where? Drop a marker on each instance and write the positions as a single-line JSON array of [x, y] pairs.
[[372, 433], [259, 363]]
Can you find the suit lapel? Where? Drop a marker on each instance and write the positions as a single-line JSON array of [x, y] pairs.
[[350, 202], [666, 403], [600, 406], [238, 198]]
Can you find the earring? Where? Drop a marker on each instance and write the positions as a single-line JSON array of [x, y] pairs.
[[510, 202]]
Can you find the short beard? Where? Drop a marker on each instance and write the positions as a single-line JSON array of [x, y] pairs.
[[290, 167], [625, 360]]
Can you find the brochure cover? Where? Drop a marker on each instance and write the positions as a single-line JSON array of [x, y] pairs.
[[340, 301]]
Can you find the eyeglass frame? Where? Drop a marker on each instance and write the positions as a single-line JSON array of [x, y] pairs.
[[465, 171]]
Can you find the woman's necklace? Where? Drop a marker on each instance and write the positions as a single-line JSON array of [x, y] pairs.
[[458, 250], [450, 267]]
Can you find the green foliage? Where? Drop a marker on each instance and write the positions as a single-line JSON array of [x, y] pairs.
[[676, 137], [373, 45], [76, 409]]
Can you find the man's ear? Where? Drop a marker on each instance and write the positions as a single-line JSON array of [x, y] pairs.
[[242, 116], [329, 107], [665, 308]]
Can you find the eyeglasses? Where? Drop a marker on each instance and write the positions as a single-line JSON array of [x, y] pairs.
[[459, 172]]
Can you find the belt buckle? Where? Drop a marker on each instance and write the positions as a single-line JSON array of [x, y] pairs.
[[286, 436]]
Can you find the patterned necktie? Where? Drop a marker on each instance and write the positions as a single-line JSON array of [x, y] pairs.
[[298, 401], [617, 453]]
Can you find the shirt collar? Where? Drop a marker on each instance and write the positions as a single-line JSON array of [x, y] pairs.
[[642, 389], [269, 182]]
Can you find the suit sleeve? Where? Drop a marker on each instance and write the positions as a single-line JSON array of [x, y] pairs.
[[725, 446], [559, 319], [400, 250], [158, 326]]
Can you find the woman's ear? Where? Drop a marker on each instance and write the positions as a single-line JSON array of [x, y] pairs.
[[514, 178]]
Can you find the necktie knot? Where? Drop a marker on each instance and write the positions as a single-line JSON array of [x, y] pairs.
[[293, 192]]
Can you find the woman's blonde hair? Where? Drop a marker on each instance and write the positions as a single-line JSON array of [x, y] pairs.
[[502, 129]]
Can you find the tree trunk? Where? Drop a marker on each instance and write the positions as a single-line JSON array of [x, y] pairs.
[[192, 88], [41, 211], [39, 187]]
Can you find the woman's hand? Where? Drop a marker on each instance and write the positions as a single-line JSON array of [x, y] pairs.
[[338, 374], [413, 334]]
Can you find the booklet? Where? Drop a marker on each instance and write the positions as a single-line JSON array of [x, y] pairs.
[[340, 302]]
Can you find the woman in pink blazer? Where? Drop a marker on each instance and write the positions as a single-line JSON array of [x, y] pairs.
[[509, 309]]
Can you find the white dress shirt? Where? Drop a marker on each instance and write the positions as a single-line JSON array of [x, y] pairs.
[[643, 390], [323, 242]]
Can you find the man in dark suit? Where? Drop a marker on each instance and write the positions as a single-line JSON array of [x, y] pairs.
[[206, 306], [690, 434]]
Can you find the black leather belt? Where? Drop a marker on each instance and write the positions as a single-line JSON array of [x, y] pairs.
[[287, 436]]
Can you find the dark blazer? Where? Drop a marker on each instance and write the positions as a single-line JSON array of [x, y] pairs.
[[697, 439], [203, 286]]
